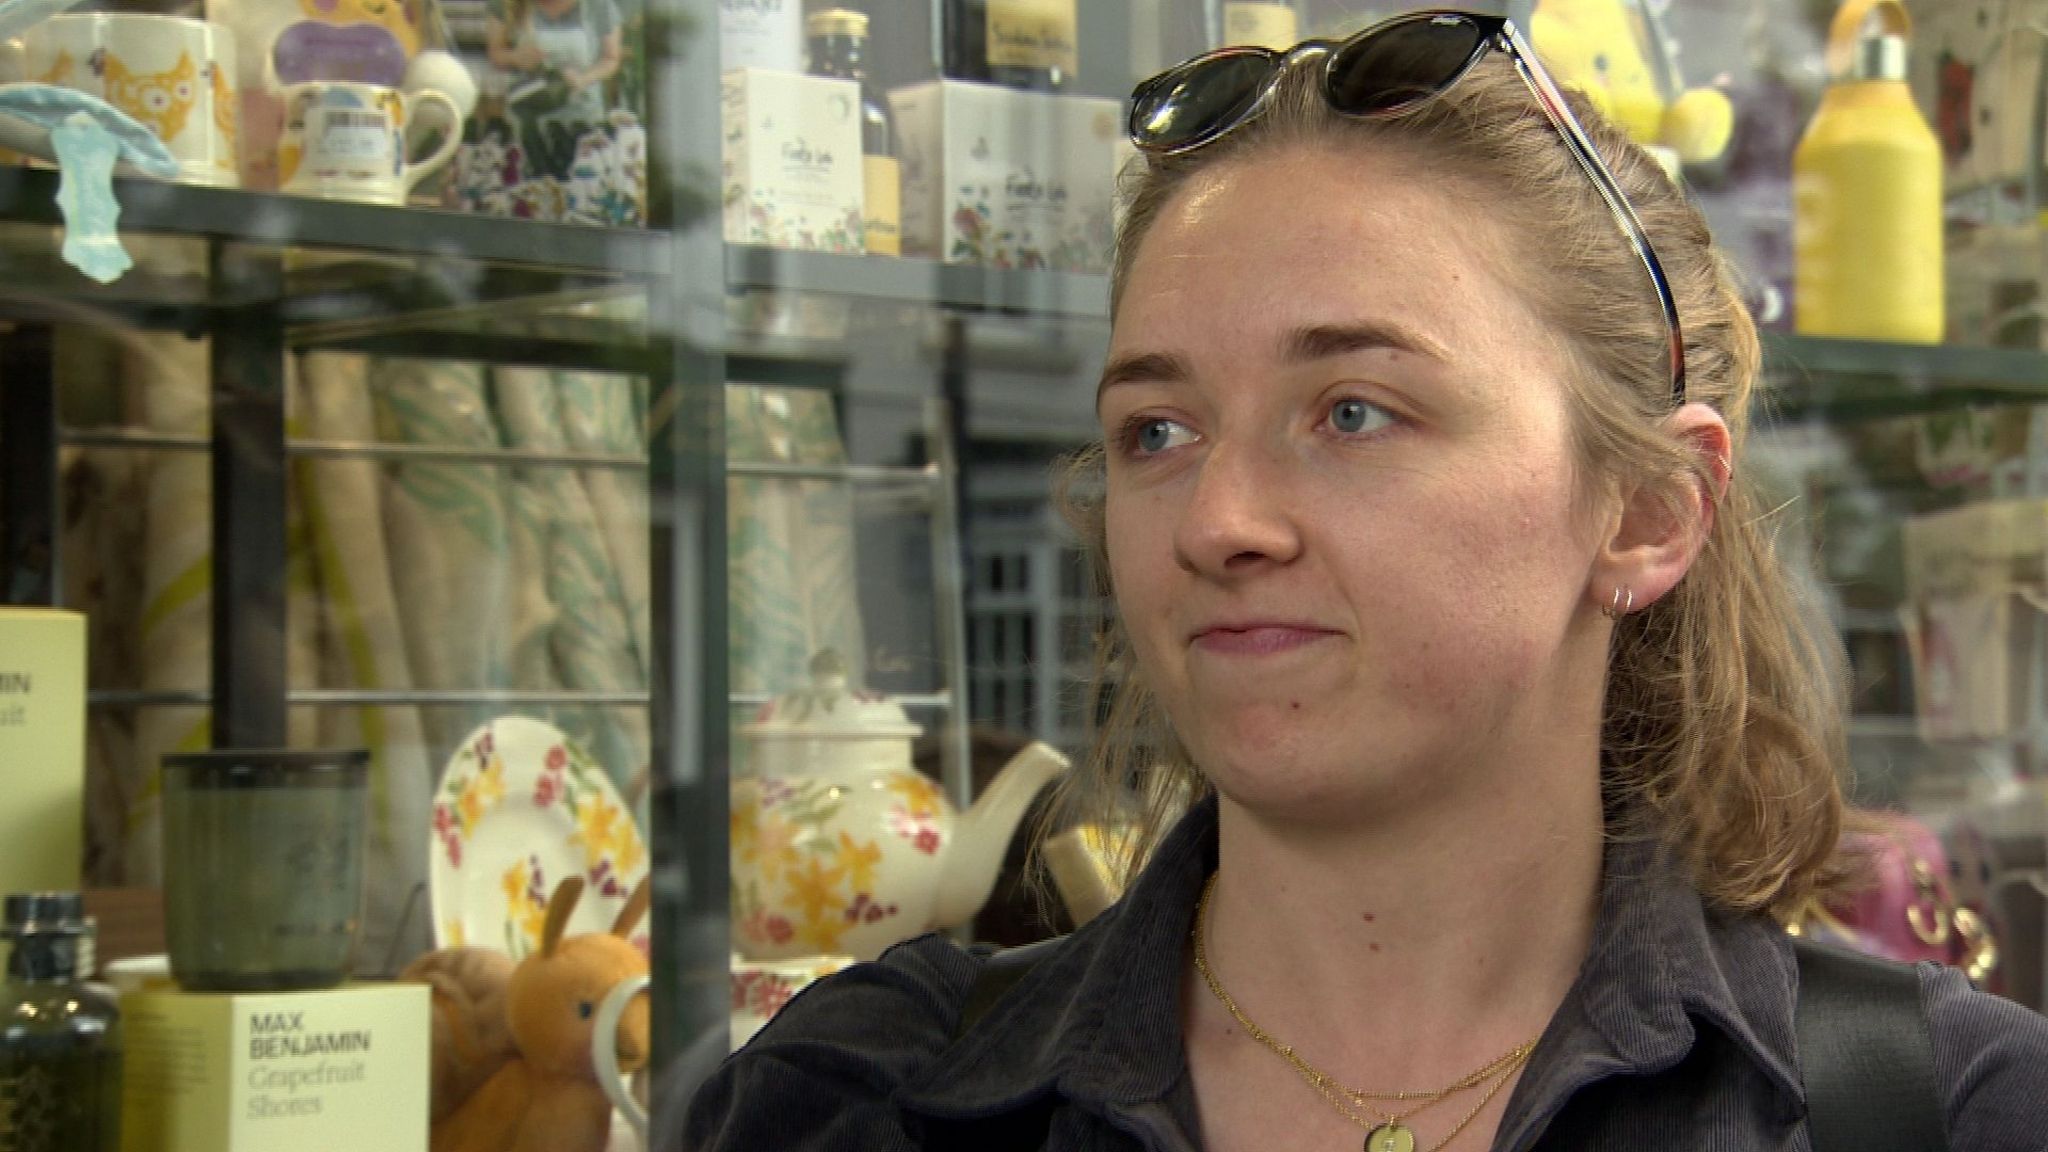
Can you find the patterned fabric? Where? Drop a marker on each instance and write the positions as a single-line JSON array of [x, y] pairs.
[[790, 555], [363, 641], [447, 525], [577, 627]]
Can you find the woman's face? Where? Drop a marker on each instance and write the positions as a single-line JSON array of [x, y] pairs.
[[1343, 517]]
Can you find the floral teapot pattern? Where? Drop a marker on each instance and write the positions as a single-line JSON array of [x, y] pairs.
[[840, 846]]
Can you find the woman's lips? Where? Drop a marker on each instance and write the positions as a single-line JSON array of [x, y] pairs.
[[1258, 639]]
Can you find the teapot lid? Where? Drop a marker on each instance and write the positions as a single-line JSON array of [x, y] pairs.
[[828, 708]]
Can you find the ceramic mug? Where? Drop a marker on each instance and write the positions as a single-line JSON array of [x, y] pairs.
[[174, 75], [347, 141], [761, 987], [604, 1054]]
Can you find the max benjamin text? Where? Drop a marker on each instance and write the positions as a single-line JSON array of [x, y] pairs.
[[282, 1035]]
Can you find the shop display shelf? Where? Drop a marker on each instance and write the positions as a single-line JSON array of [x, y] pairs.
[[335, 274], [29, 195], [924, 282], [1817, 379], [452, 697], [399, 453]]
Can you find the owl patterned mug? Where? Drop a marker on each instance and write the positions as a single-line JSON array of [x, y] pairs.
[[173, 74], [347, 141]]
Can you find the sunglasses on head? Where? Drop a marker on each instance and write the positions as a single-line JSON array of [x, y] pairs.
[[1382, 71]]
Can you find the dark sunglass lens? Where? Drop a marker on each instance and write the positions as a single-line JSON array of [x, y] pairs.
[[1397, 66], [1197, 100]]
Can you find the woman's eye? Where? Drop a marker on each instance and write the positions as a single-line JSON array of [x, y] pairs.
[[1153, 434], [1355, 416]]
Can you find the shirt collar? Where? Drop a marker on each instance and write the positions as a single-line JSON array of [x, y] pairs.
[[1662, 963], [1098, 1019]]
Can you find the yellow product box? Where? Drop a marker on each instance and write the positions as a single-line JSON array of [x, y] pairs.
[[344, 1070], [42, 748]]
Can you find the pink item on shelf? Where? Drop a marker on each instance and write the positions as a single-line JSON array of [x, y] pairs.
[[1908, 911]]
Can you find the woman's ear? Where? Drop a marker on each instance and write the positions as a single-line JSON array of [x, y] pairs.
[[1660, 529]]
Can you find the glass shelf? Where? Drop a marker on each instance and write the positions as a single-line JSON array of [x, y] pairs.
[[961, 286], [29, 196], [1813, 378]]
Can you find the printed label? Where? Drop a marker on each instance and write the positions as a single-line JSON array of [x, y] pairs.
[[1033, 34], [349, 135], [761, 34], [883, 190]]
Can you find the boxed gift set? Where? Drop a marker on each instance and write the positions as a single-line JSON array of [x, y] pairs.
[[793, 175], [1007, 178]]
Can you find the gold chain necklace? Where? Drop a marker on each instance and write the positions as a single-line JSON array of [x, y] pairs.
[[1386, 1132]]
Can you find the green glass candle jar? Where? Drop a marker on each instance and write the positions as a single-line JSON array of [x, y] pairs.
[[263, 867]]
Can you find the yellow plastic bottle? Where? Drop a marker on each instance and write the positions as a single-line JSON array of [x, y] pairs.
[[1867, 201]]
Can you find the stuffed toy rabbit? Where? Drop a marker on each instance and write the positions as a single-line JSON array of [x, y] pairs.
[[540, 1093]]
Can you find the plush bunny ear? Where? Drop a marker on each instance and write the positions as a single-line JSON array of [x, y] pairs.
[[560, 906], [636, 907]]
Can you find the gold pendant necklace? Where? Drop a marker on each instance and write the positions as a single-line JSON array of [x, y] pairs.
[[1385, 1132], [1390, 1138]]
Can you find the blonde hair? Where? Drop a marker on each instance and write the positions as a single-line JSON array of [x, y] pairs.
[[1722, 726]]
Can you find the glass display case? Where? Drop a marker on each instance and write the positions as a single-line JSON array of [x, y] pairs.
[[734, 341]]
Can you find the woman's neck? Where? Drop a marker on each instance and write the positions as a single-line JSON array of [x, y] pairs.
[[1412, 948]]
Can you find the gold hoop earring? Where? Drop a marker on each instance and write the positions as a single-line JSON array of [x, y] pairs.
[[1624, 600]]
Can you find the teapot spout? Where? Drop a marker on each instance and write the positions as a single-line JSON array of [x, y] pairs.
[[983, 835]]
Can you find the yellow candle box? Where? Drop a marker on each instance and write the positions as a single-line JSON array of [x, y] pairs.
[[42, 748], [328, 1071]]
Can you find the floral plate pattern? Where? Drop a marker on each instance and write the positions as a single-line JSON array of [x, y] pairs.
[[519, 808]]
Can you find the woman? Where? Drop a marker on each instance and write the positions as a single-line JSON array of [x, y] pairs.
[[561, 53], [1439, 578]]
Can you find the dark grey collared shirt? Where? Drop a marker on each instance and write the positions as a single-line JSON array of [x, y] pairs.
[[1676, 1036]]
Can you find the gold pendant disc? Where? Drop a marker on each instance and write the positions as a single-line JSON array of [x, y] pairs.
[[1390, 1138]]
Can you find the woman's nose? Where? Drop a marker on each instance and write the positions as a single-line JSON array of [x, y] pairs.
[[1239, 514]]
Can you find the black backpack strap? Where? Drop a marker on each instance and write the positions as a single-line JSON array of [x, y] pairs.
[[1000, 972], [1865, 1054]]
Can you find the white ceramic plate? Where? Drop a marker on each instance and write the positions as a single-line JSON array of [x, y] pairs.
[[519, 808]]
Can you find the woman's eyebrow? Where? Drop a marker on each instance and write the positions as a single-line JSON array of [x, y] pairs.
[[1317, 341], [1310, 342], [1142, 367]]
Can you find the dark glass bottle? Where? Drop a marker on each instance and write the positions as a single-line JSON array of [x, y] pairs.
[[1028, 44], [60, 1037], [836, 44]]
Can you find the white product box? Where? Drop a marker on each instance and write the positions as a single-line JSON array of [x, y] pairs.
[[1005, 177], [1976, 623], [792, 172]]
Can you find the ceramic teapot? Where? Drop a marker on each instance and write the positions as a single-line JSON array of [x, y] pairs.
[[840, 846]]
